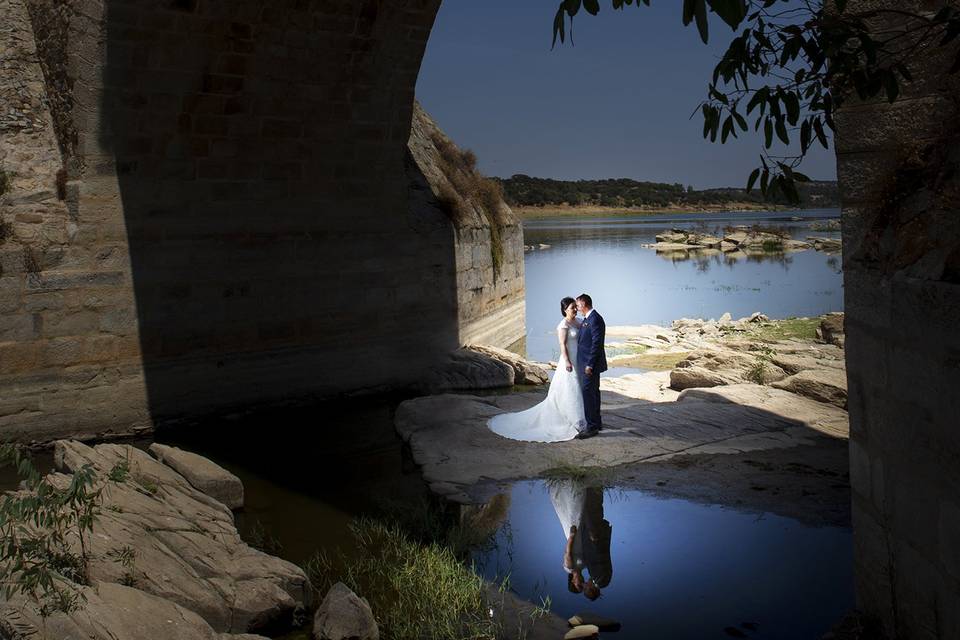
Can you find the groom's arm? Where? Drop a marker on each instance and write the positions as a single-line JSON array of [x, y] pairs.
[[596, 341]]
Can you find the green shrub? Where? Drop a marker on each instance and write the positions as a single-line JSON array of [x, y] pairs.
[[36, 559]]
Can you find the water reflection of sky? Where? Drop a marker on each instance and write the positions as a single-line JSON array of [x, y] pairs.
[[684, 570], [632, 285]]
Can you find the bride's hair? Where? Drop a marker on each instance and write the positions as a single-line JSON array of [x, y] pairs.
[[566, 302]]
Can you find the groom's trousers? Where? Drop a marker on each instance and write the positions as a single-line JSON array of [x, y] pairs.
[[590, 386]]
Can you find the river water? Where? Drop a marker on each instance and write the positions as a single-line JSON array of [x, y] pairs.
[[631, 285], [675, 569]]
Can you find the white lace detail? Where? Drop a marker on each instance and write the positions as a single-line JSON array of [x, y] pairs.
[[560, 415]]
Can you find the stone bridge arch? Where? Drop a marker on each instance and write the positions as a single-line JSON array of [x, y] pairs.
[[209, 198], [217, 205]]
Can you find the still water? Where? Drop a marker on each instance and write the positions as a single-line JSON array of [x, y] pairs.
[[669, 568], [633, 285]]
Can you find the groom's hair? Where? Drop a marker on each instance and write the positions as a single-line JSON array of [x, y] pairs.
[[587, 300], [566, 302]]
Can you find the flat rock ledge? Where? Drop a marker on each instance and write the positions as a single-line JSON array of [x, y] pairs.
[[202, 474], [111, 612], [190, 562], [449, 438]]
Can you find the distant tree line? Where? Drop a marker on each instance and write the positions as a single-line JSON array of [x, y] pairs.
[[523, 190]]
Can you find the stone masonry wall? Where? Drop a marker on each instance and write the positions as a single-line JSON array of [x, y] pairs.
[[217, 196], [899, 173], [491, 305]]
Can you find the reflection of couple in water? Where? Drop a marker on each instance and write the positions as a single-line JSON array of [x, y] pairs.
[[580, 510]]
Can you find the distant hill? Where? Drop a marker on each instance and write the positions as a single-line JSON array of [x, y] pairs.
[[526, 191]]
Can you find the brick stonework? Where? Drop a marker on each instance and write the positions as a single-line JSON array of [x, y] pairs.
[[210, 206], [898, 171]]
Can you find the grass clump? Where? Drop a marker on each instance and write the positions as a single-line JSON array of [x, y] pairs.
[[469, 186], [772, 246], [563, 470], [655, 361], [416, 590], [757, 372], [790, 328]]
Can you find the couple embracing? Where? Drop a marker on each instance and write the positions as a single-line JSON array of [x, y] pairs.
[[572, 406]]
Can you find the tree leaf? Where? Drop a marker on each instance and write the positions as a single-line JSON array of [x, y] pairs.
[[592, 6], [804, 136], [572, 7], [558, 26], [782, 131], [689, 6], [730, 11], [753, 178], [821, 136], [740, 121], [768, 132], [700, 12]]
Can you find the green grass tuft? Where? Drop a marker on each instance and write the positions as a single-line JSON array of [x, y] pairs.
[[416, 590]]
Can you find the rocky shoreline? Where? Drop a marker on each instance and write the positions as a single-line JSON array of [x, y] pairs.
[[740, 240], [734, 405]]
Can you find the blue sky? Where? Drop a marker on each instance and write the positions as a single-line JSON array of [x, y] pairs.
[[617, 104]]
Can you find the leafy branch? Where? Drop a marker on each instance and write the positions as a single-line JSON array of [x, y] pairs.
[[793, 63], [37, 559]]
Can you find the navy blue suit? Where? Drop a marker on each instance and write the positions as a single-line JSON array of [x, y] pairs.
[[590, 353]]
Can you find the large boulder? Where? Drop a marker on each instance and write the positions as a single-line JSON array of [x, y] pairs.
[[344, 616], [202, 474], [524, 371], [674, 236], [110, 612], [829, 245], [466, 370], [831, 329], [186, 547], [715, 367], [823, 385]]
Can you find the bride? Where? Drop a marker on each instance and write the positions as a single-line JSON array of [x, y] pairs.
[[560, 416]]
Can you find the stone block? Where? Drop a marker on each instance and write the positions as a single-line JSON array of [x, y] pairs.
[[16, 328], [69, 322], [62, 352], [18, 356]]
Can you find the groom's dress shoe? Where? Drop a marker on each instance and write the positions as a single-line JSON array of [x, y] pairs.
[[587, 433]]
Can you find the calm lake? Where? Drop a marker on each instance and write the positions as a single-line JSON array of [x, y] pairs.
[[633, 285]]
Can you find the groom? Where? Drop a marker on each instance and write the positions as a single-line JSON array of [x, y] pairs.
[[591, 362]]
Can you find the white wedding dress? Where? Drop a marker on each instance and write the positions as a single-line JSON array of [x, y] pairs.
[[560, 416]]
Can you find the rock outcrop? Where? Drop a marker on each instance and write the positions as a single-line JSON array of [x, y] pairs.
[[823, 385], [186, 547], [202, 474], [111, 612], [343, 615], [723, 366], [524, 371], [466, 370], [831, 329], [739, 241]]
